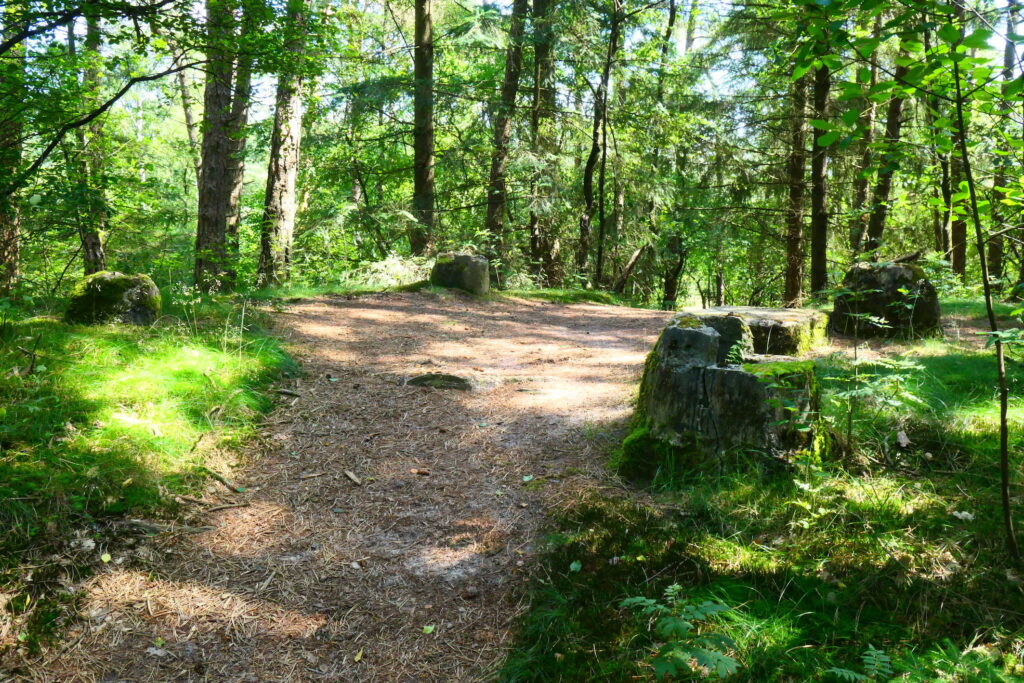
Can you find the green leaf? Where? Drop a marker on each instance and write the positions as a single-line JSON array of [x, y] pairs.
[[428, 629], [105, 557], [576, 566], [850, 117], [821, 125], [979, 39], [829, 138], [863, 75], [799, 72], [950, 34]]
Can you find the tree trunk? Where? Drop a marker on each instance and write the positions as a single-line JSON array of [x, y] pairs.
[[623, 279], [217, 183], [421, 235], [883, 187], [996, 244], [12, 74], [278, 225], [957, 222], [819, 190], [691, 26], [859, 226], [543, 243], [795, 169], [191, 128], [670, 290], [497, 194], [92, 224], [596, 141]]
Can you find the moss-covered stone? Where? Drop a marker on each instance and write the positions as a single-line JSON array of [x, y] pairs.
[[461, 271], [692, 412], [897, 294], [108, 296], [773, 331]]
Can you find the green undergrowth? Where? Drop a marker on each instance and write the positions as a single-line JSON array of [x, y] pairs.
[[885, 562], [100, 422], [567, 296]]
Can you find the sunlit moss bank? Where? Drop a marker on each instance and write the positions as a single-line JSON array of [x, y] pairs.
[[109, 419]]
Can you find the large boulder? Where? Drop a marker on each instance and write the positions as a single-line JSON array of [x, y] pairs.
[[461, 271], [771, 331], [108, 296], [693, 411], [897, 293]]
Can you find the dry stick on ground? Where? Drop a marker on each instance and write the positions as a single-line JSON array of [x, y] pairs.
[[1004, 456]]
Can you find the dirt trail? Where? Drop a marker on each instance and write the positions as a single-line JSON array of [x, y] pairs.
[[313, 577]]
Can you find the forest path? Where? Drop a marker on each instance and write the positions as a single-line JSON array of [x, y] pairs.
[[415, 574]]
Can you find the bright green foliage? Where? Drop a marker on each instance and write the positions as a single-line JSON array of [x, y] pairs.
[[101, 420], [685, 649]]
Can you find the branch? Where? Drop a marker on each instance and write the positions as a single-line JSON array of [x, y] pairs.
[[20, 180]]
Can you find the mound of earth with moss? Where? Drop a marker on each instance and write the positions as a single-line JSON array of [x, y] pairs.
[[108, 296], [694, 409], [887, 299], [766, 331]]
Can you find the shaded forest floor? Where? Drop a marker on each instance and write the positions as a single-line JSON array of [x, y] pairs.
[[380, 531]]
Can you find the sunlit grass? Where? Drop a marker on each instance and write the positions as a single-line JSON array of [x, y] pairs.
[[112, 416]]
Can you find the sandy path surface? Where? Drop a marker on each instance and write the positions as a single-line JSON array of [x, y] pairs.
[[415, 573]]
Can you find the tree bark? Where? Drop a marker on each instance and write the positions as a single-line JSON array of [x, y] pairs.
[[12, 74], [859, 226], [883, 187], [795, 169], [957, 221], [191, 128], [999, 181], [217, 183], [819, 189], [544, 245], [278, 225], [421, 235], [92, 223], [596, 141], [497, 194]]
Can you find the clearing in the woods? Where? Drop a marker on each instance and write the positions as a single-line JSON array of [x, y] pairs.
[[384, 531], [376, 530]]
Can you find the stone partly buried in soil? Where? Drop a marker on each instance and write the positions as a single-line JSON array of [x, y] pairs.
[[772, 331], [439, 380], [898, 293], [461, 271], [108, 296], [692, 411]]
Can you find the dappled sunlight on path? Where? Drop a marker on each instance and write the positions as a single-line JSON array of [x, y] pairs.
[[384, 531]]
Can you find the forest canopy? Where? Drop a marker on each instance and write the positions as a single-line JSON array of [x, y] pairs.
[[742, 153]]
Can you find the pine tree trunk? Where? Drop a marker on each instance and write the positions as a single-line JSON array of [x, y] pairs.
[[278, 225], [217, 183], [996, 244], [883, 187], [859, 226], [596, 141], [12, 74], [92, 224], [497, 195], [819, 189], [421, 234], [237, 140], [957, 223], [795, 170], [543, 244]]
